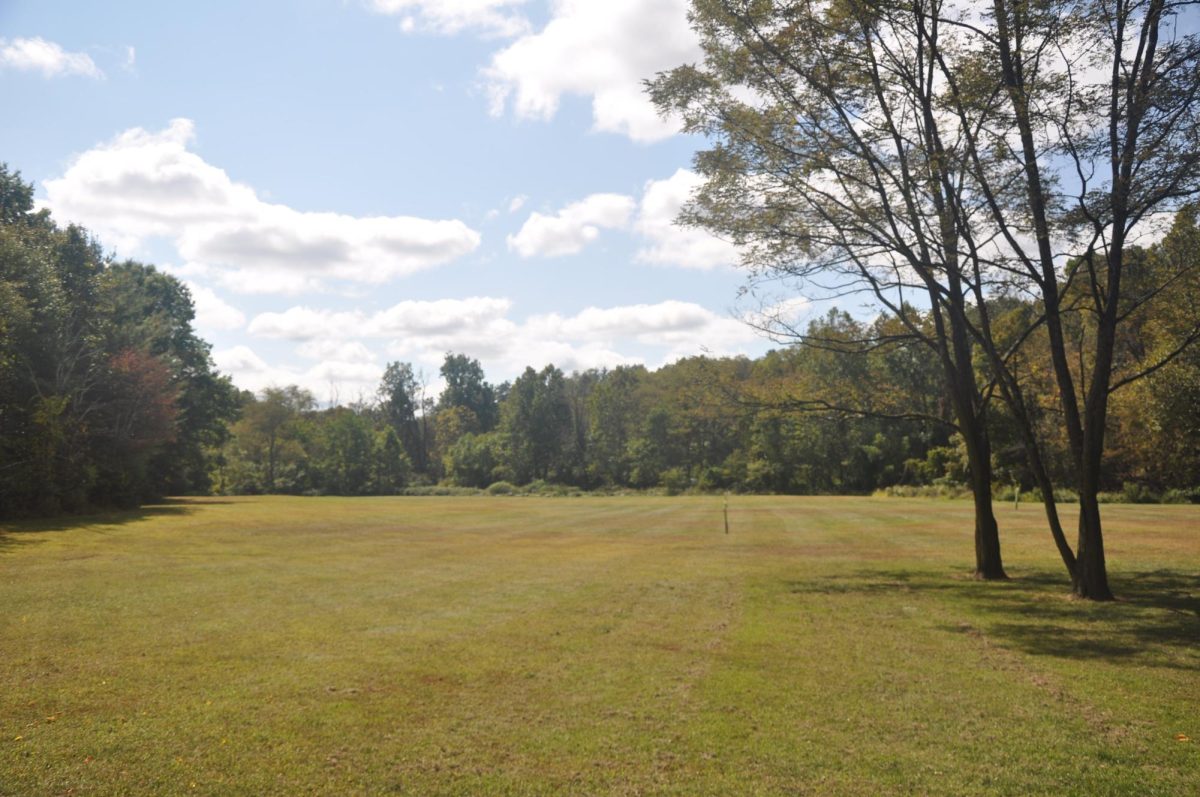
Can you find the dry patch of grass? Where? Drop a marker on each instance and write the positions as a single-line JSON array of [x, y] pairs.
[[591, 645]]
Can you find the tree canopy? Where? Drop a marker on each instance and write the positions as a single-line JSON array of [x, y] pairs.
[[107, 395]]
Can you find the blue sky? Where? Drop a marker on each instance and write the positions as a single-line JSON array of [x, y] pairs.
[[344, 183]]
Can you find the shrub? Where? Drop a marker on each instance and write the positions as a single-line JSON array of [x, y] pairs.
[[1191, 496], [674, 480], [439, 490], [543, 487], [501, 488], [1135, 493], [925, 491]]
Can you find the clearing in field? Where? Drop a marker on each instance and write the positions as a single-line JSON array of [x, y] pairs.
[[591, 645]]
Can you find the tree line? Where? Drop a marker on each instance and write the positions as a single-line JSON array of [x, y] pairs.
[[836, 418], [107, 395], [109, 398]]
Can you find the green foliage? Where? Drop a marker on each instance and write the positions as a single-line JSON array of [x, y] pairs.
[[537, 424], [107, 396], [840, 417], [439, 490], [674, 480], [401, 400], [837, 419], [475, 460], [466, 387]]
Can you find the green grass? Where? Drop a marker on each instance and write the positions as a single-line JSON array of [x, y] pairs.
[[591, 645]]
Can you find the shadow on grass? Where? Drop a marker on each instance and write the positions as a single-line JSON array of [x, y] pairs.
[[1155, 620], [17, 533]]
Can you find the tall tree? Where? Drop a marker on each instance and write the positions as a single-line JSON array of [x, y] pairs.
[[466, 386], [152, 312], [1107, 134], [537, 423], [267, 431], [400, 395], [828, 167], [107, 396], [992, 145]]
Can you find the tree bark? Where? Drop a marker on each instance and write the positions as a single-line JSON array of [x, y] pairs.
[[988, 563]]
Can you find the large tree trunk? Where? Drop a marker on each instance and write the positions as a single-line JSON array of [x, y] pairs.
[[1091, 580], [972, 423], [1091, 572], [1010, 388], [988, 563]]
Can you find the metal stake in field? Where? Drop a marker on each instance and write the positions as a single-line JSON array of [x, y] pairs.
[[726, 513]]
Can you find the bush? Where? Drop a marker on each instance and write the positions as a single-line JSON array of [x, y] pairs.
[[1063, 495], [925, 491], [440, 490], [501, 488], [1008, 492], [543, 487], [674, 480], [1191, 496], [1135, 493]]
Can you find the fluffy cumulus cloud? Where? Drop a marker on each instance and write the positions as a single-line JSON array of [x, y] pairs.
[[329, 380], [423, 331], [599, 50], [667, 243], [144, 185], [676, 329], [571, 229], [490, 17], [213, 312], [47, 57]]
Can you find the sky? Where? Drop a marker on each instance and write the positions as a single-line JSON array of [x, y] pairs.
[[347, 183]]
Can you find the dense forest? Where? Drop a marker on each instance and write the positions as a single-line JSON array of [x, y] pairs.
[[108, 397]]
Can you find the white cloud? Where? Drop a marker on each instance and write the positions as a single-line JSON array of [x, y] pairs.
[[304, 323], [440, 317], [572, 228], [678, 329], [516, 203], [601, 50], [669, 243], [352, 351], [482, 327], [491, 17], [143, 185], [47, 57], [240, 361], [328, 380], [213, 312]]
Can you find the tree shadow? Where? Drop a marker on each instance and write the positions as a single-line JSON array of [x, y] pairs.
[[1155, 620], [28, 531]]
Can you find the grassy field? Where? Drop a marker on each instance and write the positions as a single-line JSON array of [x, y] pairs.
[[591, 646]]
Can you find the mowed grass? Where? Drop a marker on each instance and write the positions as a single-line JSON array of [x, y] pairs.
[[591, 646]]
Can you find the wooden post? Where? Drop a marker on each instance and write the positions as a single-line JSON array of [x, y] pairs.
[[727, 513]]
